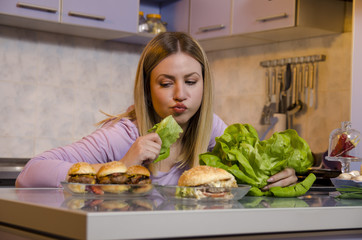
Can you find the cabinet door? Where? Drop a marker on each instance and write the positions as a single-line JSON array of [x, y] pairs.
[[210, 18], [260, 15], [106, 14], [36, 9]]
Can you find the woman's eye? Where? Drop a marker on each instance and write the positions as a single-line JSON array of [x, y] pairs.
[[166, 84], [191, 82]]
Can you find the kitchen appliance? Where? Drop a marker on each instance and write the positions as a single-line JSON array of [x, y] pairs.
[[10, 168]]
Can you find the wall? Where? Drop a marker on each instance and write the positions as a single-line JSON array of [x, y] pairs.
[[356, 99], [53, 86]]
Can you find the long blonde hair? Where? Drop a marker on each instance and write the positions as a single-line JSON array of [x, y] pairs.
[[196, 137]]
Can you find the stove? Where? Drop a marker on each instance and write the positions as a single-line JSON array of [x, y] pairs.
[[10, 169]]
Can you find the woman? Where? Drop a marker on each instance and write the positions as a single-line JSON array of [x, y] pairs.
[[173, 77]]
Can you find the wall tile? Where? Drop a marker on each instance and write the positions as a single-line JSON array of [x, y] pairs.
[[52, 86]]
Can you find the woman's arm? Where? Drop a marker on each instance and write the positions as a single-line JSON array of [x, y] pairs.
[[109, 143]]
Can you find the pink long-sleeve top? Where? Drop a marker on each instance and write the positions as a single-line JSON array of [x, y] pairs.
[[108, 143]]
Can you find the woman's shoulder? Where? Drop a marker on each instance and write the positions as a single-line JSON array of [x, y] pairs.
[[218, 125], [123, 126]]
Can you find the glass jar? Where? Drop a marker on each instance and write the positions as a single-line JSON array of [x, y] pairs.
[[155, 24], [342, 145], [142, 23]]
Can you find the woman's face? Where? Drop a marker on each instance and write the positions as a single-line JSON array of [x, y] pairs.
[[177, 87]]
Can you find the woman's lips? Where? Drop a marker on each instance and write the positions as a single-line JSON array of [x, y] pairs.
[[179, 108]]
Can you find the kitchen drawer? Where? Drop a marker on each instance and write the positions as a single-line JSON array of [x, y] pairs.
[[47, 10], [261, 15], [209, 18], [105, 14]]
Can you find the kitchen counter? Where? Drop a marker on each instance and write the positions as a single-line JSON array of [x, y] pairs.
[[54, 214]]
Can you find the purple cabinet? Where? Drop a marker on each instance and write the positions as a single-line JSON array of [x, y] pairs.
[[261, 15], [106, 14], [210, 18], [35, 9]]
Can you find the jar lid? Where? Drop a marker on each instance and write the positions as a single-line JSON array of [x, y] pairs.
[[343, 140], [140, 13], [154, 15]]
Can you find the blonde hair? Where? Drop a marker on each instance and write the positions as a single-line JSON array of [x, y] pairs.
[[196, 137]]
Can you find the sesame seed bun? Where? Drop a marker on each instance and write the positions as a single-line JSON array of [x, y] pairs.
[[81, 168], [138, 170], [111, 167], [200, 175]]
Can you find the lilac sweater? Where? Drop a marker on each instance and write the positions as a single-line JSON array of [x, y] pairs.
[[106, 144]]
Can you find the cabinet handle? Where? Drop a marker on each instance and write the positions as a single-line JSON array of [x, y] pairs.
[[88, 16], [36, 7], [274, 17], [212, 28]]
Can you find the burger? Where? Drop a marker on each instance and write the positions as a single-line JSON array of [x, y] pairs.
[[139, 177], [206, 182], [113, 175], [80, 174]]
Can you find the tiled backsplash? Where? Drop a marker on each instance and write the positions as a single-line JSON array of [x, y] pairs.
[[53, 86]]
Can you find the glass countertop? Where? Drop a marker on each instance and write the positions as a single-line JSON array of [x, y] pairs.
[[58, 198]]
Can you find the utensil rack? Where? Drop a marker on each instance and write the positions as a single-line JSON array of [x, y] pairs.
[[293, 60]]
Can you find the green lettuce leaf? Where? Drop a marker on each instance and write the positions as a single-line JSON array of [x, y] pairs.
[[169, 131], [252, 162]]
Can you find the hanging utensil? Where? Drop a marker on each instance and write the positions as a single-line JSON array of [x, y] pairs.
[[311, 83], [300, 80], [273, 104], [266, 113], [306, 81], [296, 105]]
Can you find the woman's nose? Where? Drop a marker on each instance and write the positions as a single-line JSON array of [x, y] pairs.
[[180, 92]]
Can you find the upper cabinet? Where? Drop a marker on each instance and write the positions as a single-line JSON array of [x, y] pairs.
[[217, 24], [46, 10], [210, 18], [105, 14], [255, 16], [256, 22]]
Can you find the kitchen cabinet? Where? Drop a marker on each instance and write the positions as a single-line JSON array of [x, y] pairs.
[[105, 14], [209, 18], [254, 16], [216, 24], [46, 10], [281, 20], [267, 21]]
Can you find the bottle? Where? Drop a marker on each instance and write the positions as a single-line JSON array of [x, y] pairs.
[[142, 23], [155, 24]]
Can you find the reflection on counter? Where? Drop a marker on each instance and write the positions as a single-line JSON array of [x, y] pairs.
[[108, 205], [55, 198]]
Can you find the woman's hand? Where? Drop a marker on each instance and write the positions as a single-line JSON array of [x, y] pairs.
[[143, 151], [284, 178]]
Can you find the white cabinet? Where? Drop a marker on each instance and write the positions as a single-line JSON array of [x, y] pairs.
[[281, 20], [260, 15], [217, 24], [46, 10], [210, 18], [105, 14], [255, 22]]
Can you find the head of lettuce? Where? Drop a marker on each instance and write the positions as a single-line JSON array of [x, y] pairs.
[[252, 161], [169, 131]]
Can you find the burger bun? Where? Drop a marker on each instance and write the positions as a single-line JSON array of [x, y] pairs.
[[201, 175], [111, 167]]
